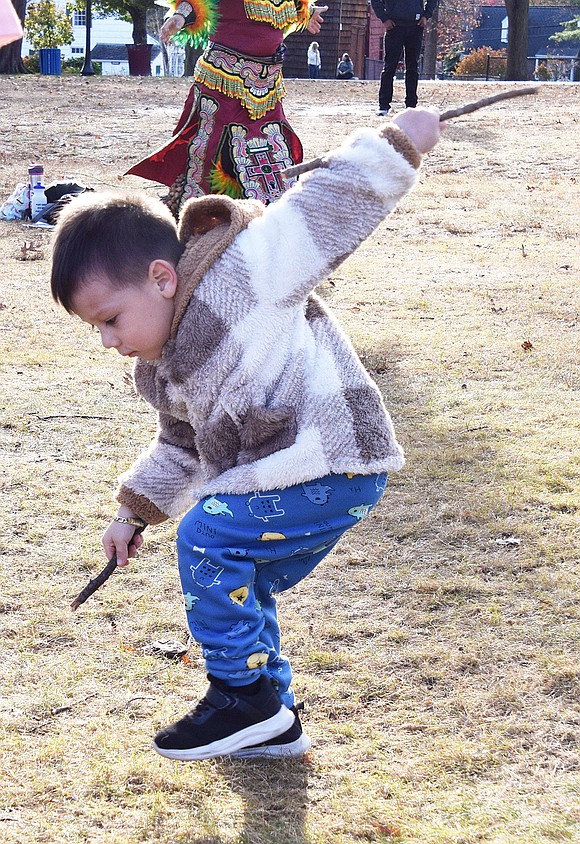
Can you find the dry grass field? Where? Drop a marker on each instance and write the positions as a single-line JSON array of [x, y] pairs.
[[437, 649]]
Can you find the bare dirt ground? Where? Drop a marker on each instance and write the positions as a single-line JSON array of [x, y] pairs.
[[436, 648], [94, 129]]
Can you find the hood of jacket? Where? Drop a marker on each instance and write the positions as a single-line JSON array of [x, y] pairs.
[[207, 226]]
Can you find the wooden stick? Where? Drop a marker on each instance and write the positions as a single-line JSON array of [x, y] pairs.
[[487, 101], [95, 583], [98, 581], [315, 163]]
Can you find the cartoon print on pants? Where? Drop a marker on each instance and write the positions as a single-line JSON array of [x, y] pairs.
[[205, 574], [257, 660], [381, 482], [215, 507], [316, 493], [240, 628], [214, 653], [360, 511], [265, 506], [239, 596], [190, 601], [304, 551]]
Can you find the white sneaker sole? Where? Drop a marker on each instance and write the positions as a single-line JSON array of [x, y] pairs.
[[257, 733], [294, 748]]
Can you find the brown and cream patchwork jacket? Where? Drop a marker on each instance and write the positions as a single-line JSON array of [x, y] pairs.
[[258, 387]]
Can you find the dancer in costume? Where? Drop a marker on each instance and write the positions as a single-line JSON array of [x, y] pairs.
[[232, 137]]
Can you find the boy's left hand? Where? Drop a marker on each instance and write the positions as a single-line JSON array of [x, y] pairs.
[[122, 540], [422, 125]]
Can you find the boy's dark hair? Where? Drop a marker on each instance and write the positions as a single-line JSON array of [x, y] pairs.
[[112, 234]]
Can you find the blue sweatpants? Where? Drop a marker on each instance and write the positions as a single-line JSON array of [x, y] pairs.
[[236, 552]]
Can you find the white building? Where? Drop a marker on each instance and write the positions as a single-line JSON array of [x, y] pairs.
[[108, 37]]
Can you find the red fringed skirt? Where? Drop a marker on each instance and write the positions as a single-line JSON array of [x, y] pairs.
[[232, 137]]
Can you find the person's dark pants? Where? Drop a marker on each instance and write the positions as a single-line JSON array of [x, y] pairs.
[[313, 71], [409, 39]]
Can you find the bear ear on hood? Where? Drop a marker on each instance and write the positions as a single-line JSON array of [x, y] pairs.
[[208, 225], [203, 214]]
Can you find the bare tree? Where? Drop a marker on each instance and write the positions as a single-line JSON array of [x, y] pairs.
[[11, 54], [430, 48]]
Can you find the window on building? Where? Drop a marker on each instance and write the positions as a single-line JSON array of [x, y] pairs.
[[504, 30], [78, 51], [80, 18]]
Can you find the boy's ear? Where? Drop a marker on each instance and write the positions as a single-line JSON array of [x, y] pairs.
[[164, 275]]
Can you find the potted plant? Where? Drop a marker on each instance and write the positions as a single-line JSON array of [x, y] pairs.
[[48, 29]]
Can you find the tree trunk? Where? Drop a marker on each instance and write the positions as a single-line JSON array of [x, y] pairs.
[[11, 54], [192, 54], [139, 19], [430, 48], [517, 46]]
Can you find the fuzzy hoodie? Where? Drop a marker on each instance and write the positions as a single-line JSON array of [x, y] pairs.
[[258, 387]]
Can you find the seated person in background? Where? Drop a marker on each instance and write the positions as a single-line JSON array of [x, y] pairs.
[[345, 68]]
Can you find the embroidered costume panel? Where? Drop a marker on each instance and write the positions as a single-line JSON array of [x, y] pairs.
[[233, 136]]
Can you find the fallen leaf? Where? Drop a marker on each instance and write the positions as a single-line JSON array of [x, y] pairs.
[[526, 346], [387, 829]]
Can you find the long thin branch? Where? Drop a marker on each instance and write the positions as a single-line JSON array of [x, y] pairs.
[[315, 163]]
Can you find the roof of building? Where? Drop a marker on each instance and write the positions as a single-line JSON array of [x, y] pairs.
[[543, 21], [117, 52]]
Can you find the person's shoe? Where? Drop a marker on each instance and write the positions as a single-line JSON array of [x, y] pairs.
[[294, 742], [225, 720], [382, 112]]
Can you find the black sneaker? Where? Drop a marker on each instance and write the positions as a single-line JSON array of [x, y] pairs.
[[294, 742], [225, 720]]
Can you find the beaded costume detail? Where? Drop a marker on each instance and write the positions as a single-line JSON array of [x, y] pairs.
[[281, 14], [257, 85]]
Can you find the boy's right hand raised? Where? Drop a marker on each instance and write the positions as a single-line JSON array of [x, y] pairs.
[[421, 125], [122, 540]]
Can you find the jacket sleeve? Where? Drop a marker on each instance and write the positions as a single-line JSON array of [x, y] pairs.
[[322, 219], [430, 7], [380, 8], [160, 483]]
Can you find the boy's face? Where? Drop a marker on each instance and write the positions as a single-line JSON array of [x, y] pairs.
[[136, 319]]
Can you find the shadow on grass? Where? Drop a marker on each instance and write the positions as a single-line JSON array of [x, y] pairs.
[[267, 803], [274, 796]]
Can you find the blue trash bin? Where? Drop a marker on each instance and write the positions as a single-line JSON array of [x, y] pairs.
[[49, 61]]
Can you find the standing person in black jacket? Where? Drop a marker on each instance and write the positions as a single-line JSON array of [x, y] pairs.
[[405, 22]]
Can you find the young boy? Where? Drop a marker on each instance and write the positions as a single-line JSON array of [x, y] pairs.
[[267, 418]]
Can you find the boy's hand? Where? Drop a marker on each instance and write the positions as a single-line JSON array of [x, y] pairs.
[[121, 539], [421, 125]]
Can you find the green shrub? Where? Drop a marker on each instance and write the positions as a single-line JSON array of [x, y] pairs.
[[32, 63], [542, 72], [47, 26], [452, 58], [73, 66]]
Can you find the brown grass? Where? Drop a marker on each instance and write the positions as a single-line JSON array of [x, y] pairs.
[[437, 647]]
